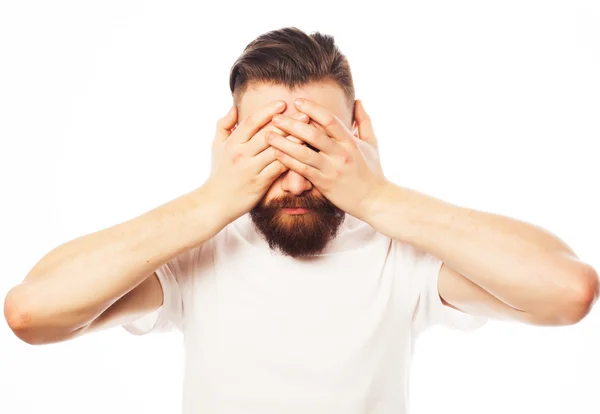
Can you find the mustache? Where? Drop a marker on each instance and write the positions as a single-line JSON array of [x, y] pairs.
[[320, 204], [298, 202]]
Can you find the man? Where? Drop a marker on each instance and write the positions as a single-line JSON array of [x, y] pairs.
[[299, 275]]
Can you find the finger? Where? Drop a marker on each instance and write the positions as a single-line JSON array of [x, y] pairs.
[[258, 143], [319, 127], [331, 123], [363, 122], [272, 171], [226, 124], [310, 173], [254, 122], [262, 160], [299, 116], [300, 152], [312, 136]]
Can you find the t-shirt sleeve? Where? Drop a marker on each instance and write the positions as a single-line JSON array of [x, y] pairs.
[[174, 277], [429, 309]]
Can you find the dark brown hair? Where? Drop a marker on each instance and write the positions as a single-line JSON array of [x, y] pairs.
[[292, 58]]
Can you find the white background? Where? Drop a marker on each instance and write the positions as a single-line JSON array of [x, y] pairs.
[[107, 109]]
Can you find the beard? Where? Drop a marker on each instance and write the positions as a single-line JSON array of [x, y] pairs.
[[297, 235]]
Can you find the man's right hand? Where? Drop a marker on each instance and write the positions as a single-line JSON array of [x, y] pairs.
[[105, 279], [243, 164]]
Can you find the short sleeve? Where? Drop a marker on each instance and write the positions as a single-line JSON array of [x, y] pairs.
[[173, 276], [424, 272]]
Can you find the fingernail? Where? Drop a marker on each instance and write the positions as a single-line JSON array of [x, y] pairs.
[[277, 119], [299, 102], [279, 104], [303, 117]]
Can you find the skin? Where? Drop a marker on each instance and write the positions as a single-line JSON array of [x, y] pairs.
[[493, 265], [294, 234], [328, 94], [107, 278]]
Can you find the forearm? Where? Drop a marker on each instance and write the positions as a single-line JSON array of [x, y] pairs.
[[522, 265], [73, 284]]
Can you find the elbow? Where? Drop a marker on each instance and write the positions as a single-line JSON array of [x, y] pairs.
[[18, 320], [26, 324], [579, 297], [36, 326]]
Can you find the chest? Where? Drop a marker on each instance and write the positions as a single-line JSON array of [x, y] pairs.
[[322, 321]]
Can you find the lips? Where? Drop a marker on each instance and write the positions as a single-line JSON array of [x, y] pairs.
[[295, 210]]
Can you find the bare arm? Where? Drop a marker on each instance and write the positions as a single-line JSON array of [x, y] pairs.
[[493, 265], [75, 283], [103, 279]]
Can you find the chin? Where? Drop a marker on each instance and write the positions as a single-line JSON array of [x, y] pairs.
[[298, 235]]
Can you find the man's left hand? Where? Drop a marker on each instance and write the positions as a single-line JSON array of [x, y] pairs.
[[346, 169]]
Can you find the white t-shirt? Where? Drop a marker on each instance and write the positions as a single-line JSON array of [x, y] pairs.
[[268, 334]]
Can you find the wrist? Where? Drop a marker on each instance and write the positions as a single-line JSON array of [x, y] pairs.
[[392, 212], [375, 206], [211, 207], [411, 217]]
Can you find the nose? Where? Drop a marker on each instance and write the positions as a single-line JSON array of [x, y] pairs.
[[292, 181], [295, 183]]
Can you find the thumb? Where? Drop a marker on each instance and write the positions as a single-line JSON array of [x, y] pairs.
[[363, 122], [226, 124]]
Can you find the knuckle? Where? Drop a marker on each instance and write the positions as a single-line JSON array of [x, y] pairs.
[[309, 154], [314, 134], [254, 181], [303, 118], [294, 139], [235, 156], [330, 120], [345, 157], [276, 130], [281, 168], [318, 126]]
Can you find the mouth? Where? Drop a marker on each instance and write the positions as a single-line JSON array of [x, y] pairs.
[[295, 210]]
